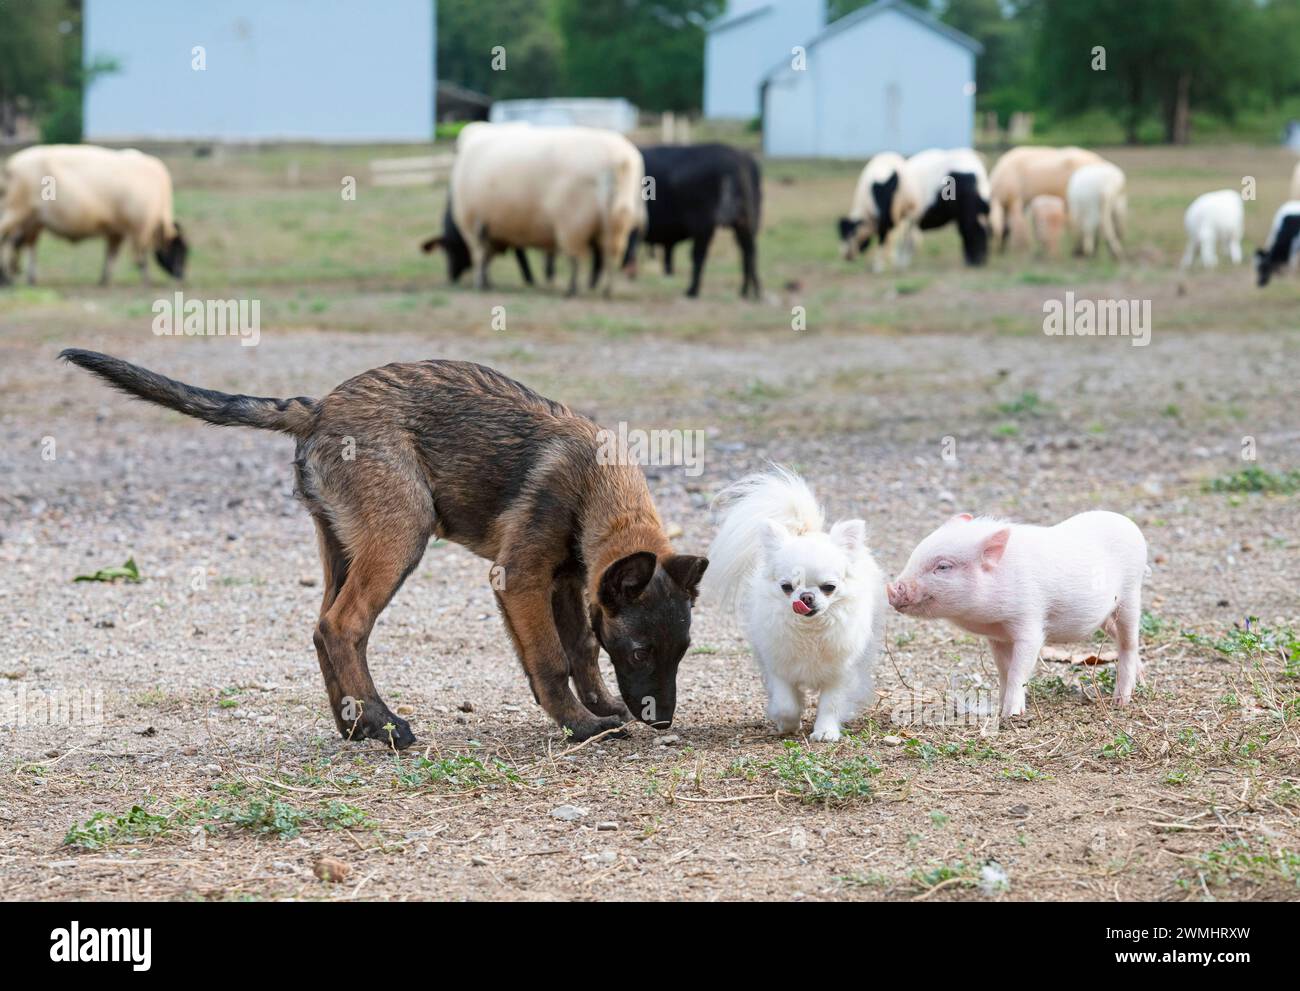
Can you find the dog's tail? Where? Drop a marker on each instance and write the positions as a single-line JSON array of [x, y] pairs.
[[291, 416], [777, 496]]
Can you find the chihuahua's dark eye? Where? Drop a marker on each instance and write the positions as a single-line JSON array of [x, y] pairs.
[[828, 589], [787, 588]]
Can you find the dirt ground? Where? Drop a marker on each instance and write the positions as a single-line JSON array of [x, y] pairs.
[[215, 772]]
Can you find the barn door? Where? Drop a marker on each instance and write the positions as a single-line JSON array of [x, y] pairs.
[[893, 114]]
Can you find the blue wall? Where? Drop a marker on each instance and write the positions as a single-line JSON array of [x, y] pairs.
[[739, 53], [314, 70]]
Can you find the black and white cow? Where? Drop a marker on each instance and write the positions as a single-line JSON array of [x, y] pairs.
[[884, 206], [1282, 249], [694, 189], [953, 187]]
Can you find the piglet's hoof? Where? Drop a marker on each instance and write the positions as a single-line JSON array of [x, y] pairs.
[[376, 722]]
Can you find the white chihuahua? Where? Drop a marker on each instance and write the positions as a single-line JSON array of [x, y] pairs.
[[811, 601]]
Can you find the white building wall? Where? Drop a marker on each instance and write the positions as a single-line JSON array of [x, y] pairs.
[[888, 83]]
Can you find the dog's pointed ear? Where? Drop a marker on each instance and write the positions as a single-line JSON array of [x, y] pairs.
[[432, 244], [850, 535], [626, 579], [686, 570]]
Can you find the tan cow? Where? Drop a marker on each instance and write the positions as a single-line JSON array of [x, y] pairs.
[[571, 190], [81, 191], [1026, 172]]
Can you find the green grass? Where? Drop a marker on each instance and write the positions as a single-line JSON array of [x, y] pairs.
[[1253, 479], [825, 777]]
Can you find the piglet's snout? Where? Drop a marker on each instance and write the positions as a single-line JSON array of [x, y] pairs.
[[898, 593]]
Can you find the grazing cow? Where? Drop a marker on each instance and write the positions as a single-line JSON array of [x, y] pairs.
[[1098, 203], [693, 190], [454, 247], [1213, 220], [951, 186], [569, 190], [1023, 173], [81, 191], [1282, 249], [1047, 217], [884, 206]]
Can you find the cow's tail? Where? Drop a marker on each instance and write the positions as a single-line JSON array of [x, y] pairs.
[[291, 416]]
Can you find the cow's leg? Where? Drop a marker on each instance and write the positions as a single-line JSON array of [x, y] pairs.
[[1234, 250], [597, 264], [29, 242], [550, 268], [574, 265], [749, 258], [525, 270], [1189, 255], [481, 251], [1110, 231], [1209, 250], [112, 244], [668, 257], [699, 252], [10, 226]]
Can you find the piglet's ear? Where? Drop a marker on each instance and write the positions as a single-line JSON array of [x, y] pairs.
[[994, 547], [851, 535]]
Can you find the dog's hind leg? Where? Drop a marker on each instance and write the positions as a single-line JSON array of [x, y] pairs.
[[574, 626], [335, 565], [380, 562]]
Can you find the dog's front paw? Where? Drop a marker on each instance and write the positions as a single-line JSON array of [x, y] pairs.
[[826, 734], [584, 729]]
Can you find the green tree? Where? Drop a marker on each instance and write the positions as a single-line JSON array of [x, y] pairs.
[[505, 48], [649, 51], [1157, 58], [32, 51]]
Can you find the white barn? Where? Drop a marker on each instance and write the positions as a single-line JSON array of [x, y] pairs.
[[887, 77], [262, 70], [745, 42]]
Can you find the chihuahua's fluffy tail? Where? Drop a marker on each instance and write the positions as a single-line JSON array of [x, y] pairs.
[[778, 495]]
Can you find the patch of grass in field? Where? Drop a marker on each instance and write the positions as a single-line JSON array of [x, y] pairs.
[[1253, 640], [1255, 479], [1258, 860], [824, 776], [456, 772], [104, 829]]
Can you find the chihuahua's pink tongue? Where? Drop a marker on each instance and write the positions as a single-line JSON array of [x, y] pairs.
[[800, 607]]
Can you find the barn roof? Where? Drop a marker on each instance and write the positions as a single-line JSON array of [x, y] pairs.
[[862, 14]]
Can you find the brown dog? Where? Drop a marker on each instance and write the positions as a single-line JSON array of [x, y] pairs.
[[451, 449]]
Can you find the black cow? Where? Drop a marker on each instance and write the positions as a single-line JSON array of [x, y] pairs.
[[695, 190], [1282, 247]]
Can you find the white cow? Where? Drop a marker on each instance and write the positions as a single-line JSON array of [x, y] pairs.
[[576, 191], [1098, 203], [1214, 220], [81, 191], [884, 205], [951, 185]]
